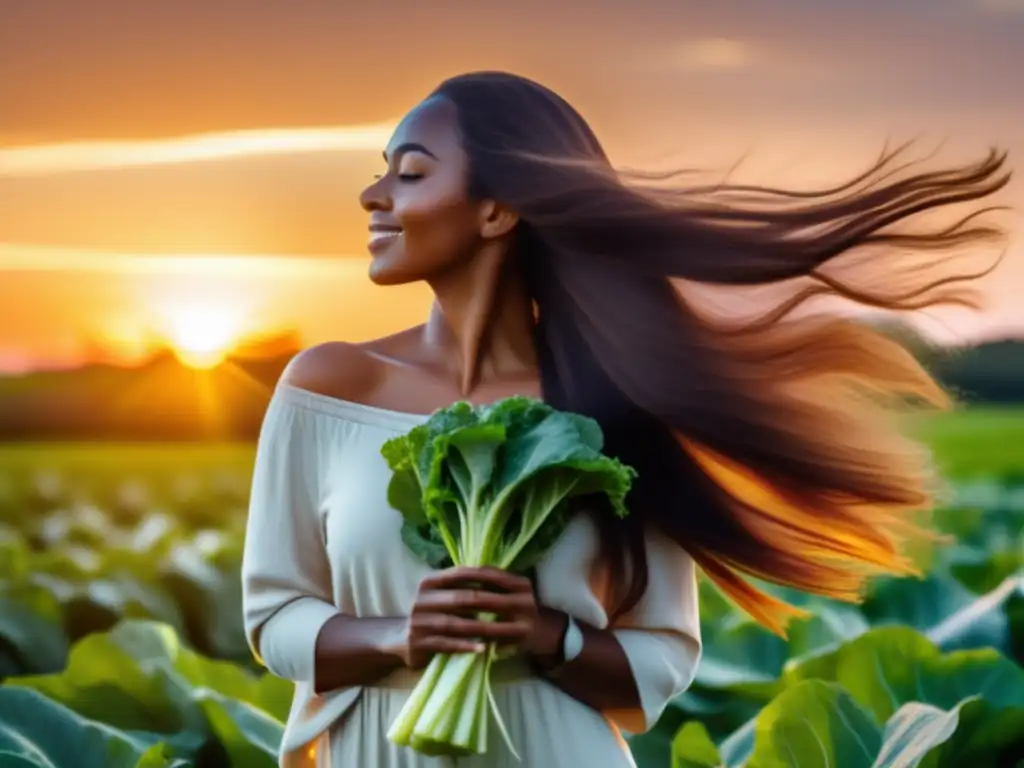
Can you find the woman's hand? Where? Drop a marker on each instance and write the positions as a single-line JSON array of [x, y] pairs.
[[444, 616]]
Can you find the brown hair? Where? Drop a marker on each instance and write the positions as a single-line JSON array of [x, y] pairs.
[[768, 448]]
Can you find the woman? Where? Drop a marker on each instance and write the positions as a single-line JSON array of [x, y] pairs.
[[762, 449]]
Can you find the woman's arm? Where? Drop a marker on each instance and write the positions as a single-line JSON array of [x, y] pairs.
[[632, 670], [352, 650], [600, 676], [287, 596], [359, 651], [291, 621]]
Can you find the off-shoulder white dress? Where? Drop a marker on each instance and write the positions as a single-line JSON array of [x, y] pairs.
[[322, 539]]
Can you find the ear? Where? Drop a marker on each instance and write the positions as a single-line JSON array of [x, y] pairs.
[[496, 220]]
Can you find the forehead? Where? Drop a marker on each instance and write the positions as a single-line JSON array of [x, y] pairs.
[[431, 123]]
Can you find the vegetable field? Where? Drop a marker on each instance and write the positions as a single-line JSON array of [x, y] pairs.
[[121, 641]]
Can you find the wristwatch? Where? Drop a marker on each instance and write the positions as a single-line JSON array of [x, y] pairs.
[[572, 646], [572, 641]]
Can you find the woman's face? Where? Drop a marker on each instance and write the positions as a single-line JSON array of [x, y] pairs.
[[422, 221]]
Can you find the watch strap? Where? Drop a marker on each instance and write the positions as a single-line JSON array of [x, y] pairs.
[[571, 647]]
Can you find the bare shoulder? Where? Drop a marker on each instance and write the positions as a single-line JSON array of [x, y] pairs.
[[358, 373], [337, 369]]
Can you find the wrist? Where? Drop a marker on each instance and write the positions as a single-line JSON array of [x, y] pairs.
[[546, 647], [392, 643]]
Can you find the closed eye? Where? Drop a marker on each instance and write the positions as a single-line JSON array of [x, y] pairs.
[[401, 177]]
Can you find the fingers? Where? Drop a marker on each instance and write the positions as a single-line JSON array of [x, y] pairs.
[[428, 625], [504, 581], [446, 614], [462, 601], [440, 644]]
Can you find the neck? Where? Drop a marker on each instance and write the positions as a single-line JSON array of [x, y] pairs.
[[482, 322]]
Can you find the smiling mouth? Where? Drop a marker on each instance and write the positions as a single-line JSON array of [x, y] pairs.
[[380, 236]]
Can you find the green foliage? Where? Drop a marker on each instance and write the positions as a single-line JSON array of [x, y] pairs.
[[136, 696], [119, 588], [889, 698], [93, 535], [886, 653], [35, 731], [491, 486], [979, 443]]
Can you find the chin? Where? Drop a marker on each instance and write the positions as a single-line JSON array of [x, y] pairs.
[[383, 274]]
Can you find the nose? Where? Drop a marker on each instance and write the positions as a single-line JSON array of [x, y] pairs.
[[375, 197]]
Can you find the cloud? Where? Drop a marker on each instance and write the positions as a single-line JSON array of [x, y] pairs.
[[713, 54], [44, 159], [16, 257]]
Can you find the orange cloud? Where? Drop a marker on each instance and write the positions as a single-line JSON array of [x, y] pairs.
[[101, 155], [712, 54], [33, 258]]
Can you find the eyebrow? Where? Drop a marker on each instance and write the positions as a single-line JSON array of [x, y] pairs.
[[410, 146]]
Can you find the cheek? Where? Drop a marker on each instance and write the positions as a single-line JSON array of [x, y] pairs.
[[438, 231]]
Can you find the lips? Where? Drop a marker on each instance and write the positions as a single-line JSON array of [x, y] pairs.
[[382, 235]]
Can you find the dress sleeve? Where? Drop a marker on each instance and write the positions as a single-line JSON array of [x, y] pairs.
[[286, 576], [661, 635]]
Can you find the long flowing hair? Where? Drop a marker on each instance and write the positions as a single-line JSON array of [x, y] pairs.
[[772, 449]]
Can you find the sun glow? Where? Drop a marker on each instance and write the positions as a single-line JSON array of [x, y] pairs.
[[202, 336]]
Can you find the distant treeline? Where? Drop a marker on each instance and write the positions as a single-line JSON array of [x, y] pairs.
[[990, 373], [164, 400]]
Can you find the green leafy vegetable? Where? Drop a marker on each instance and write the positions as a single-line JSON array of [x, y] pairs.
[[488, 485], [820, 723], [128, 691], [890, 666]]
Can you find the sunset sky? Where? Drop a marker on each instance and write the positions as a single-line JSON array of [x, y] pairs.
[[190, 170]]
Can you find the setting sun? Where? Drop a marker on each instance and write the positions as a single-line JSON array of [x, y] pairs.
[[202, 336]]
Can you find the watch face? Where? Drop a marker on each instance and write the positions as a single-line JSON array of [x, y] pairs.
[[573, 643]]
